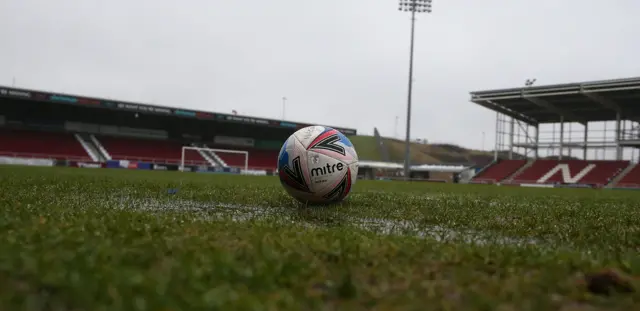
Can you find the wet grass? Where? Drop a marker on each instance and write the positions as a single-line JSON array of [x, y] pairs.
[[82, 239]]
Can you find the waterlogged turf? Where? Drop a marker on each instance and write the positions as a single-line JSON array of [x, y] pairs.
[[83, 239]]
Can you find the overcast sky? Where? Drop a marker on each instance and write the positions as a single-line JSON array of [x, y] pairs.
[[339, 62]]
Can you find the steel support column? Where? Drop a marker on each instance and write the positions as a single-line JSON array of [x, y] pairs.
[[537, 144], [511, 136], [561, 137], [495, 150], [586, 136], [618, 134], [526, 139]]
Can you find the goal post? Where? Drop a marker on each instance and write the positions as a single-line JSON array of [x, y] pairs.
[[212, 153]]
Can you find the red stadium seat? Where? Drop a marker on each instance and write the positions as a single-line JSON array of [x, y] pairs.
[[499, 171], [603, 172], [598, 173], [41, 144], [631, 180], [149, 150]]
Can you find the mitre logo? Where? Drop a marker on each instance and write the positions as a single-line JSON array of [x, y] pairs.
[[327, 169]]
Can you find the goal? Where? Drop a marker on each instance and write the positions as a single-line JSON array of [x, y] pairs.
[[210, 154]]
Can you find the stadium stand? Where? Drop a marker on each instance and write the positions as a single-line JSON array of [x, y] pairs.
[[554, 156], [154, 151], [80, 131], [499, 171], [41, 144], [598, 173]]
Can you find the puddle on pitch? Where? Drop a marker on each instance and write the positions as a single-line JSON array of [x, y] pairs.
[[236, 212]]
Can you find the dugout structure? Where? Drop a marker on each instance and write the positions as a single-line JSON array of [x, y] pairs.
[[27, 109], [597, 120]]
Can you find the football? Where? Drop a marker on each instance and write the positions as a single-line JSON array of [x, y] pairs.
[[318, 165]]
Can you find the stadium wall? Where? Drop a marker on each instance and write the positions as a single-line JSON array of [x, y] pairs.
[[26, 161]]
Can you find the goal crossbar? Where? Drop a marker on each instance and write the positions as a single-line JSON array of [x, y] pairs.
[[212, 150]]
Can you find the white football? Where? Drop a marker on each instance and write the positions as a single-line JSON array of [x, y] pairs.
[[318, 165]]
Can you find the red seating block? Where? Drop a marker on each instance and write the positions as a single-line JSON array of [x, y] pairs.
[[499, 171], [149, 150], [603, 172], [41, 144], [632, 179], [597, 173], [540, 167]]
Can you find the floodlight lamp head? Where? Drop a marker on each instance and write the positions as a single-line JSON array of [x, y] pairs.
[[529, 82], [417, 6]]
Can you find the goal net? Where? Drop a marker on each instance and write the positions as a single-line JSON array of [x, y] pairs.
[[200, 156]]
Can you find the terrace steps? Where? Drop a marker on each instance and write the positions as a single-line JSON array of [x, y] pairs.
[[520, 170], [620, 176]]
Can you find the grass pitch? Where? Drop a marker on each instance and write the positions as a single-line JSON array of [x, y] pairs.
[[82, 239]]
